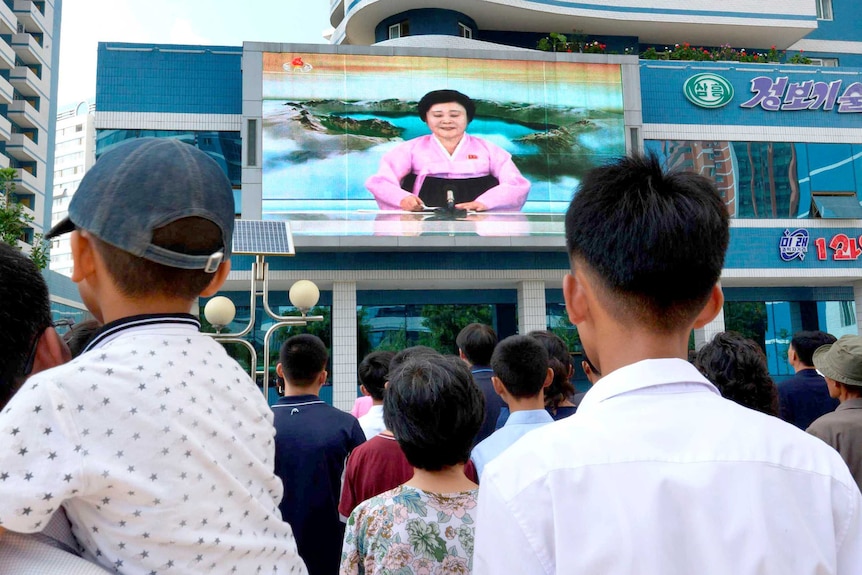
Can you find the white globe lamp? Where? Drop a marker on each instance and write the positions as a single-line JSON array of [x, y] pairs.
[[304, 295], [220, 311]]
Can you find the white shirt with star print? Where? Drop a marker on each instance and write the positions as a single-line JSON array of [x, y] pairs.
[[160, 448]]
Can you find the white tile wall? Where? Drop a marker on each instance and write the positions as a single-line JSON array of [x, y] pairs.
[[160, 121], [344, 344], [532, 313]]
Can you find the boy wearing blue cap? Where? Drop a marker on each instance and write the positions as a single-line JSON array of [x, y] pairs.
[[157, 444]]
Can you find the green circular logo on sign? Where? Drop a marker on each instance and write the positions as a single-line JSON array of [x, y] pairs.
[[708, 90]]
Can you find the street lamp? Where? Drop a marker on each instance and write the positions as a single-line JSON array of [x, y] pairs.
[[262, 238], [220, 311]]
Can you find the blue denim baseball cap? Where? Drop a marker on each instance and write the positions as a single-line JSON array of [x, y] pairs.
[[144, 184]]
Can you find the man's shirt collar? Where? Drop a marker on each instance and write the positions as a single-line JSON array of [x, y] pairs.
[[114, 329], [529, 417], [651, 376]]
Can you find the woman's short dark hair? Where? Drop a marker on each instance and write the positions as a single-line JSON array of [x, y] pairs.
[[434, 410], [737, 366], [409, 353], [443, 97], [560, 361]]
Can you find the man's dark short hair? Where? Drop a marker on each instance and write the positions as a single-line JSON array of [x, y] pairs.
[[302, 358], [139, 277], [521, 363], [655, 240], [477, 342], [434, 409], [805, 343], [559, 360], [25, 312], [374, 372], [737, 366]]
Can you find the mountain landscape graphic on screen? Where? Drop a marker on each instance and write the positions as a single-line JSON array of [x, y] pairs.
[[329, 119]]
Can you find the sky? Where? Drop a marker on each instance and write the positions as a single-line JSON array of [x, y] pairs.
[[85, 23]]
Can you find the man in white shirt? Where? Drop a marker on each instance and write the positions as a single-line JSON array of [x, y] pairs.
[[657, 474]]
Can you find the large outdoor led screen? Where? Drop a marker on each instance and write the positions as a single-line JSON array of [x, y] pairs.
[[343, 142]]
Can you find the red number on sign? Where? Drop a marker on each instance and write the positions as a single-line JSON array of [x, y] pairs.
[[820, 244], [845, 248]]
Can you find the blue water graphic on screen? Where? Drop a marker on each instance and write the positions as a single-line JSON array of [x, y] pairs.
[[314, 172]]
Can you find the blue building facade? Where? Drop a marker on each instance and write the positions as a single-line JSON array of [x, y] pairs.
[[780, 141]]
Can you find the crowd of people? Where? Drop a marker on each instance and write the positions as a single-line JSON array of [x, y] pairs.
[[150, 451]]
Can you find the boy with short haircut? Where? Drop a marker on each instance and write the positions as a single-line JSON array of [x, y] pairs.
[[373, 373], [312, 442], [679, 475], [521, 374], [157, 444]]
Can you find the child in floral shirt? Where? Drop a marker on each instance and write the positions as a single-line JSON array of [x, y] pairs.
[[426, 525]]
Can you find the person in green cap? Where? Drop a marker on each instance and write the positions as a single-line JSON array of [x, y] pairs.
[[841, 366]]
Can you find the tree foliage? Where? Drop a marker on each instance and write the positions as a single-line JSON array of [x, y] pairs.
[[748, 318], [444, 322], [15, 221]]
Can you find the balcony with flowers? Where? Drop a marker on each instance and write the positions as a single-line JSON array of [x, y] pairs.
[[579, 43]]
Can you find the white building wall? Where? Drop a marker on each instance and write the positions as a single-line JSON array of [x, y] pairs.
[[27, 57], [532, 314], [74, 154], [343, 344]]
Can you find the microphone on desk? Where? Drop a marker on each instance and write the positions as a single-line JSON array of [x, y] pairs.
[[450, 211]]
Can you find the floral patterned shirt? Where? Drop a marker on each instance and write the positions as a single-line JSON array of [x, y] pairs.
[[407, 531]]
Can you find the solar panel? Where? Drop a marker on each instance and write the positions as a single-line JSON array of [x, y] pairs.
[[259, 237]]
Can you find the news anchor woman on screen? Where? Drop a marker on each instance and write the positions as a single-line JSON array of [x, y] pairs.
[[449, 163]]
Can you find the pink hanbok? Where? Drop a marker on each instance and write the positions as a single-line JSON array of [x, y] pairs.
[[425, 156]]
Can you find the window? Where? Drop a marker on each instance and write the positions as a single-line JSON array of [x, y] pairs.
[[399, 30], [251, 147], [848, 314], [825, 62], [824, 9], [465, 31], [635, 139], [79, 128]]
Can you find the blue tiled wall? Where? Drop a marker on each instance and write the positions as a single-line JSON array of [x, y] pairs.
[[482, 260], [426, 21], [845, 25], [750, 248], [664, 101], [758, 248], [169, 78]]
